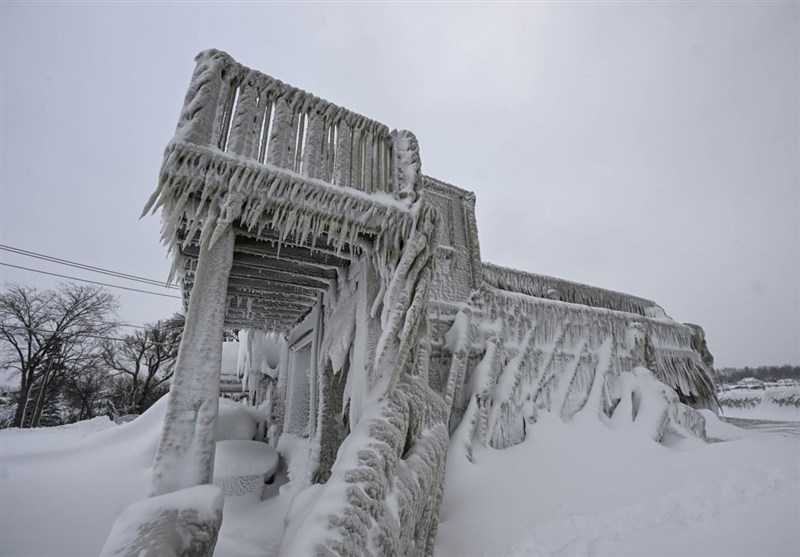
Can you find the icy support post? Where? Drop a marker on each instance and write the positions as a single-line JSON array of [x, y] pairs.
[[185, 454]]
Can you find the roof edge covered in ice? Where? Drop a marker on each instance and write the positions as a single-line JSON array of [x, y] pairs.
[[542, 286]]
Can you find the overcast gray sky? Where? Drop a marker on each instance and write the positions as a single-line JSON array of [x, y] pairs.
[[645, 147]]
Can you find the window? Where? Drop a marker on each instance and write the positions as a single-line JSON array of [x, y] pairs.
[[299, 395]]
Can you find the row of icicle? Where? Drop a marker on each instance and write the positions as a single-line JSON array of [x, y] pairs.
[[546, 355], [199, 190]]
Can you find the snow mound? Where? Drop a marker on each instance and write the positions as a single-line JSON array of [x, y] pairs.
[[181, 523], [240, 467], [717, 430], [44, 480], [237, 421], [582, 488], [648, 406], [244, 458]]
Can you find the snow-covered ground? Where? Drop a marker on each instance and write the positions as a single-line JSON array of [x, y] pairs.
[[584, 489], [63, 487], [570, 489]]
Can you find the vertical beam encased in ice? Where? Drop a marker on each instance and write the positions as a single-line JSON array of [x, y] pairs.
[[185, 454]]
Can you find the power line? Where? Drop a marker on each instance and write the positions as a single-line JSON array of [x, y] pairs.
[[83, 266], [90, 281], [129, 325]]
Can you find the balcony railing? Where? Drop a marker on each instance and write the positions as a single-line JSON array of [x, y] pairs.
[[252, 115]]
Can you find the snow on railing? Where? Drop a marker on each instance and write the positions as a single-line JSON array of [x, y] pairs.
[[385, 492], [560, 357], [541, 286], [238, 110]]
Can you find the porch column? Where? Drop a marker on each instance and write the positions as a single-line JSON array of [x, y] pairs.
[[185, 454]]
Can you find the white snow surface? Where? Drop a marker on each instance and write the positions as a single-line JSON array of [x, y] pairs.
[[78, 478], [237, 421], [583, 488], [244, 458], [76, 485], [580, 488]]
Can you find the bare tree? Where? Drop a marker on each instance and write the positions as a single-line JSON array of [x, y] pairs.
[[87, 393], [143, 363], [49, 336]]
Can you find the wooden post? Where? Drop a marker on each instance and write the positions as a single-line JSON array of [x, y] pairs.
[[185, 455]]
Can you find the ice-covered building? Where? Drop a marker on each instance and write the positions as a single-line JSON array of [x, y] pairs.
[[372, 329]]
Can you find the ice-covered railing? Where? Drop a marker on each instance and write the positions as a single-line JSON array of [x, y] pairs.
[[252, 152], [238, 110], [664, 345], [546, 355], [385, 490], [541, 286]]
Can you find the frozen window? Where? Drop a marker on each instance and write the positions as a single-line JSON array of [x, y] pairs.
[[299, 396]]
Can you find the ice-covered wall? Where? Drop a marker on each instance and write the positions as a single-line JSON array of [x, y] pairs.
[[530, 355], [458, 269], [458, 258], [513, 344]]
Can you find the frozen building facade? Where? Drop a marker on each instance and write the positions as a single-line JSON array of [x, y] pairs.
[[372, 331]]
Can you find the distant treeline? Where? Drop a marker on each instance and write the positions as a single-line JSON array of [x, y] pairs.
[[764, 373]]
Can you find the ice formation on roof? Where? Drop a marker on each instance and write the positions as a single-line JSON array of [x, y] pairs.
[[541, 286]]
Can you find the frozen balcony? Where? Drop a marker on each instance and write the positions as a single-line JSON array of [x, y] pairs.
[[305, 184]]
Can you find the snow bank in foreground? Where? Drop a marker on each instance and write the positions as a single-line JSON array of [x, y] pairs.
[[77, 479], [49, 438], [780, 404], [184, 522], [583, 489], [76, 485]]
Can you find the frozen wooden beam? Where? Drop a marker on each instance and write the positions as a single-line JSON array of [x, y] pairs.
[[290, 252], [185, 454]]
